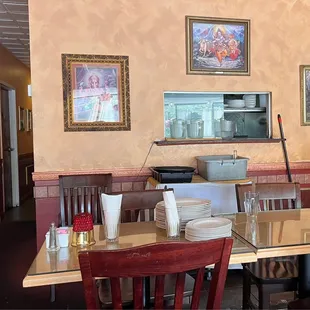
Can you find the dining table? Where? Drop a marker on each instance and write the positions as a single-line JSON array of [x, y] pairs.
[[50, 268], [272, 234], [278, 233]]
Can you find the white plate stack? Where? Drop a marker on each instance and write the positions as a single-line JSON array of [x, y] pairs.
[[250, 101], [207, 229], [188, 208]]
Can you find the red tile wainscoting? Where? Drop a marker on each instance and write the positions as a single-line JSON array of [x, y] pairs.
[[46, 190]]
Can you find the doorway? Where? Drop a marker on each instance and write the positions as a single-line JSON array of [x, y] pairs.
[[9, 187]]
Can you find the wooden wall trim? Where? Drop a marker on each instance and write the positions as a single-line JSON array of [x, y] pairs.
[[253, 169], [116, 172]]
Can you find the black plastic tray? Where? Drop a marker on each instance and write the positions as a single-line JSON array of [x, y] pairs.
[[173, 174]]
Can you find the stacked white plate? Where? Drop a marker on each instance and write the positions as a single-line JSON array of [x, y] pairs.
[[250, 101], [189, 209], [207, 229]]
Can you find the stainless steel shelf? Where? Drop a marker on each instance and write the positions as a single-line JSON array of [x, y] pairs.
[[244, 110]]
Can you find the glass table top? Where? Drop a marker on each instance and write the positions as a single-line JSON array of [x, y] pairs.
[[131, 234], [273, 229]]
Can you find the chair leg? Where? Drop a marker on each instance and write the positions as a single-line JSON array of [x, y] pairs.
[[263, 298], [246, 294], [53, 293]]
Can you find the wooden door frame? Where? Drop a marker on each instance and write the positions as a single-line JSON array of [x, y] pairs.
[[14, 144]]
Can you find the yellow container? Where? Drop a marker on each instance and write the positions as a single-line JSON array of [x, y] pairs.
[[83, 238]]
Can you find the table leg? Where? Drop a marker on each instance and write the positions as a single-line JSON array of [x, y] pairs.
[[53, 293], [304, 275]]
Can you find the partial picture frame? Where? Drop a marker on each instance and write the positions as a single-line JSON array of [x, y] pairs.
[[21, 119], [217, 46], [28, 120], [304, 72], [96, 92]]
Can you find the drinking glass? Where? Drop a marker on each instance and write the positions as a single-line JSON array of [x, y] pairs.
[[111, 225], [252, 230], [251, 204], [173, 228]]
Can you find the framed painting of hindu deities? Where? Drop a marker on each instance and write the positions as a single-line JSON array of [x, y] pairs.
[[305, 94], [96, 92], [217, 46]]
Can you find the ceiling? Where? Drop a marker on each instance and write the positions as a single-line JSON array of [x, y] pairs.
[[14, 28]]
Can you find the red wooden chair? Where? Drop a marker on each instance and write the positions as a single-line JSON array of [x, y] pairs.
[[157, 260]]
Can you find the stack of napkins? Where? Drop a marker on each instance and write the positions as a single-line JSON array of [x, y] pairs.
[[111, 205]]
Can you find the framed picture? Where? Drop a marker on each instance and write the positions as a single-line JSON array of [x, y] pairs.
[[217, 46], [28, 120], [96, 92], [21, 118], [305, 94]]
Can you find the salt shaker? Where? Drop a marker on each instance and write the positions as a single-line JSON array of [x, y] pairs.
[[53, 244]]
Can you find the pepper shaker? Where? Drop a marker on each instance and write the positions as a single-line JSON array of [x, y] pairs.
[[53, 244]]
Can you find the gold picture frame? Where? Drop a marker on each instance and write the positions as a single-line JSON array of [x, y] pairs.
[[219, 46], [96, 92], [304, 72]]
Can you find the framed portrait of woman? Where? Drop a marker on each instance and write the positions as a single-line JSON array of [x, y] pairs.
[[96, 92], [219, 46]]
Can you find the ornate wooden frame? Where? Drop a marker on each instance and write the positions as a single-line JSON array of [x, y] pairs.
[[71, 61], [303, 95], [190, 20]]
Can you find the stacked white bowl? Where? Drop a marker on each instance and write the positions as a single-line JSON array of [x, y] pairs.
[[250, 100], [188, 208], [236, 103], [207, 229]]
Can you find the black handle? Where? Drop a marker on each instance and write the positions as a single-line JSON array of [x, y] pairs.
[[288, 169]]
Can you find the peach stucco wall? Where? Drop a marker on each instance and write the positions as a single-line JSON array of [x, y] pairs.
[[152, 34], [17, 75]]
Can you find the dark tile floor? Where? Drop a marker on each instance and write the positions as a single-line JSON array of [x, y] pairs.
[[18, 249]]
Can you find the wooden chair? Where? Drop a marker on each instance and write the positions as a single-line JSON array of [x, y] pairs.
[[276, 275], [272, 196], [157, 260], [140, 205], [81, 193]]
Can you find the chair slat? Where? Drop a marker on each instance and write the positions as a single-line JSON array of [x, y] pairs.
[[197, 288], [82, 199], [75, 201], [69, 208], [273, 205], [88, 199], [95, 206], [142, 215], [116, 293], [179, 290], [138, 293], [289, 203], [281, 204], [159, 292], [265, 205], [151, 214]]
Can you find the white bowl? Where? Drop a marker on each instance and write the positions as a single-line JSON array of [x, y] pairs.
[[236, 103]]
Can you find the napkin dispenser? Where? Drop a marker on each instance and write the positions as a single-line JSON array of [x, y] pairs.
[[83, 230]]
